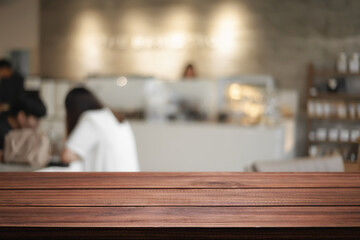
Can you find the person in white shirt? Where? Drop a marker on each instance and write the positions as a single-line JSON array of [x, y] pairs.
[[96, 139]]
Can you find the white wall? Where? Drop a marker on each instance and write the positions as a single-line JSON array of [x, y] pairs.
[[19, 29]]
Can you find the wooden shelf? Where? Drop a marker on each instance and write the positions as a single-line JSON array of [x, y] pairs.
[[335, 96], [334, 119], [335, 74], [332, 142]]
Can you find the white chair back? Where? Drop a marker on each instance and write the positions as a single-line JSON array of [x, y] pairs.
[[324, 164]]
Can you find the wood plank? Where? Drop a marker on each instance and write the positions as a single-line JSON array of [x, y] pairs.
[[182, 197], [180, 217], [176, 180]]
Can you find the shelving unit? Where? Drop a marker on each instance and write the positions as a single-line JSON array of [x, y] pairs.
[[332, 142], [350, 122], [336, 95]]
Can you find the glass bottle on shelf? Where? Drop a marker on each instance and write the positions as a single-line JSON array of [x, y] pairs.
[[354, 63], [342, 63]]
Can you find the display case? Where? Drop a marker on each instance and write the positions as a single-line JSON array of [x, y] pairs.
[[249, 100]]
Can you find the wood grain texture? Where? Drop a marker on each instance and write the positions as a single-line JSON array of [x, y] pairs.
[[182, 197], [176, 180], [180, 217], [179, 205]]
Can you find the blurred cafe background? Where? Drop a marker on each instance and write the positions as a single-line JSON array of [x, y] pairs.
[[206, 85]]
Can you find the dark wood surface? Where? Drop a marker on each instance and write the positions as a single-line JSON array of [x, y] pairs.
[[181, 197], [180, 233], [180, 205], [348, 216], [188, 180]]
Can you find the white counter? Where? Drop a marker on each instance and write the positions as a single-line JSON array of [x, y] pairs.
[[186, 146], [210, 147]]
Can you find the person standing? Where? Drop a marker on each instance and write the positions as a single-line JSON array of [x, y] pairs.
[[189, 72], [11, 85]]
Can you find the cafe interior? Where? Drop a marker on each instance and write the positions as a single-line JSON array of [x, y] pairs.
[[205, 86], [179, 119]]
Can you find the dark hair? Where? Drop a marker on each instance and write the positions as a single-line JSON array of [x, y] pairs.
[[77, 101], [5, 63], [30, 105], [187, 67]]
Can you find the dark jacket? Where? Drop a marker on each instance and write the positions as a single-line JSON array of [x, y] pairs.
[[11, 89]]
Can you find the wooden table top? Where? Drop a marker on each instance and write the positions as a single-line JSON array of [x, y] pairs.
[[180, 200]]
